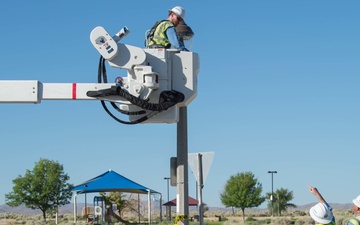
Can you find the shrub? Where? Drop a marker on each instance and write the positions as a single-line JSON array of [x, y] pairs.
[[304, 221], [249, 219], [282, 221]]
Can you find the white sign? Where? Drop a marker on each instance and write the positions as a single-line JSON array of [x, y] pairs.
[[193, 161]]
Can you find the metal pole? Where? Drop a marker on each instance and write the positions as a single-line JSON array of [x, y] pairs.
[[86, 204], [196, 190], [182, 206], [272, 191], [139, 208], [167, 179], [200, 186], [168, 199], [160, 208], [149, 206], [75, 208]]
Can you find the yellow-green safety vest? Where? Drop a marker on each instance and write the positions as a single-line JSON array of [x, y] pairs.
[[160, 36], [355, 220]]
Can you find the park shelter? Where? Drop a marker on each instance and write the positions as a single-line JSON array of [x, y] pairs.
[[111, 181], [191, 202]]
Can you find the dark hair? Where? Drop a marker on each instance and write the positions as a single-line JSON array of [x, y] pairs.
[[179, 17]]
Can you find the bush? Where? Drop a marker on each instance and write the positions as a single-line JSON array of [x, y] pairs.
[[304, 221], [250, 219], [298, 213], [282, 221]]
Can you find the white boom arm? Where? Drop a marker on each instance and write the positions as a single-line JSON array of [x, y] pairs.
[[158, 81], [33, 91]]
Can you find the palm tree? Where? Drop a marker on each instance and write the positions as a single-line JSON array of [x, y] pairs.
[[281, 199]]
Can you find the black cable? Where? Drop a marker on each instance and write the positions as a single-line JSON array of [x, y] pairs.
[[121, 121], [104, 71], [167, 99], [99, 70], [103, 76]]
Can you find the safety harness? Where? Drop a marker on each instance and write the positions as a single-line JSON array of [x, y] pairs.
[[156, 37]]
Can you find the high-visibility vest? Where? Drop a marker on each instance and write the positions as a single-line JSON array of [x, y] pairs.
[[159, 37], [355, 220]]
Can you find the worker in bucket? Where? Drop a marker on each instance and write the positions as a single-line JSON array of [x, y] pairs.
[[321, 212], [163, 33], [356, 208]]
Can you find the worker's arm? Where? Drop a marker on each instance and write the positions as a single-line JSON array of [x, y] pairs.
[[174, 40], [315, 191]]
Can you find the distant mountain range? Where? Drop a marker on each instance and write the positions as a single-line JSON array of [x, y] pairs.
[[69, 208]]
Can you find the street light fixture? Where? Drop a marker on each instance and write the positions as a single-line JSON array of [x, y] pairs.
[[272, 191]]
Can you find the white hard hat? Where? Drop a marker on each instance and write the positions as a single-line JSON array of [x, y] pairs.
[[356, 201], [178, 10], [321, 213]]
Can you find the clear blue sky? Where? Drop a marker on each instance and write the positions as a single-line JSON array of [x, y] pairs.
[[278, 90]]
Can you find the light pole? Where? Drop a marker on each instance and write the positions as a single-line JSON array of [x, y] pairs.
[[85, 186], [272, 191], [168, 211], [167, 178]]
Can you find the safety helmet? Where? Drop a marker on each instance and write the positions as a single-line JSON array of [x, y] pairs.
[[321, 213], [178, 10], [356, 201]]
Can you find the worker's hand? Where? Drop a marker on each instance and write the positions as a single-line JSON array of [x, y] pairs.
[[313, 190]]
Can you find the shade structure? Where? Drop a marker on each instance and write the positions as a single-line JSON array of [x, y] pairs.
[[111, 181], [191, 202]]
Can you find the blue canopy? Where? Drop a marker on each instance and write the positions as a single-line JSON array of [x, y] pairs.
[[110, 182]]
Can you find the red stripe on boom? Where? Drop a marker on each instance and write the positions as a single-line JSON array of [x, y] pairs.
[[74, 91]]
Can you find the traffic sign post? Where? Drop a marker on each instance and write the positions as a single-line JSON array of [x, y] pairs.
[[200, 165]]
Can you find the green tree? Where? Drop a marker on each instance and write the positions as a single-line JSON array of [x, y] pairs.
[[281, 199], [44, 188], [242, 191]]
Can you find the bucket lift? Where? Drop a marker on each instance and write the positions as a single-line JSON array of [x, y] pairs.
[[158, 82]]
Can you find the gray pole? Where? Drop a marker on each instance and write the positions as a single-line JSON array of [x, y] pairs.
[[182, 206], [272, 194], [272, 191], [167, 179], [139, 208], [168, 207], [200, 186], [86, 205]]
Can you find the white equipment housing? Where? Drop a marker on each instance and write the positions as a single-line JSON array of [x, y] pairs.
[[149, 73]]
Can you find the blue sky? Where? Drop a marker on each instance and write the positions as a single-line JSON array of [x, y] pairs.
[[278, 89]]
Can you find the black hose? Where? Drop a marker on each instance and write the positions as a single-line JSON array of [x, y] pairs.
[[102, 78], [167, 99]]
